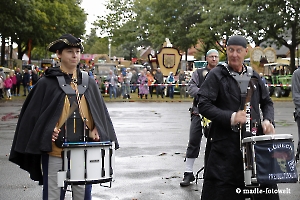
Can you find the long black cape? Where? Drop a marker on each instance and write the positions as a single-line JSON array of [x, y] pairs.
[[39, 115]]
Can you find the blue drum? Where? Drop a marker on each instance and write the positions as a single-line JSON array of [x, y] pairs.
[[269, 159]]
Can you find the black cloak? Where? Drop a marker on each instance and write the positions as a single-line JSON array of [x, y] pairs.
[[39, 115], [220, 96]]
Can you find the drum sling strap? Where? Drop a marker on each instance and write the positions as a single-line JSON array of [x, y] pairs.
[[74, 126], [74, 122], [245, 86]]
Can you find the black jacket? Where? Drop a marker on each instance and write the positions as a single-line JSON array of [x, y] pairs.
[[219, 97], [26, 78], [39, 115], [34, 78]]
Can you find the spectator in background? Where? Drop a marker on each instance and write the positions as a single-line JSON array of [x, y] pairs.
[[181, 81], [26, 81], [34, 77], [127, 83], [88, 70], [1, 87], [19, 81], [2, 73], [7, 86], [143, 87], [150, 82], [121, 81], [112, 84], [133, 81], [159, 79], [14, 86], [170, 82]]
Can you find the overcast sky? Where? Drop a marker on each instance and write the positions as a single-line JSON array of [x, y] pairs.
[[94, 8]]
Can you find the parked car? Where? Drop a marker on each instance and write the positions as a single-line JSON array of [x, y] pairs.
[[6, 71]]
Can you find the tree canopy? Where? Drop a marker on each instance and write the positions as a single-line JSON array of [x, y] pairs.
[[210, 22], [141, 23], [36, 23]]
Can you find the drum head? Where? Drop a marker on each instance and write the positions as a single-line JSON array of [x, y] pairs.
[[267, 137]]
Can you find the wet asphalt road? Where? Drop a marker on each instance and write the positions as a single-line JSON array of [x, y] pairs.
[[149, 164]]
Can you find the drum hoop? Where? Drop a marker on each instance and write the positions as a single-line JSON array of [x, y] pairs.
[[85, 144], [267, 138]]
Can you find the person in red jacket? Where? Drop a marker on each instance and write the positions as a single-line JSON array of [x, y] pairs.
[[8, 83], [14, 86]]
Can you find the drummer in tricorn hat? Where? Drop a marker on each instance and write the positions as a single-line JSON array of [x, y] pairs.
[[45, 113]]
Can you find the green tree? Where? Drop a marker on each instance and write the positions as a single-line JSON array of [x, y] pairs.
[[274, 21], [144, 22], [270, 21], [208, 22], [40, 21]]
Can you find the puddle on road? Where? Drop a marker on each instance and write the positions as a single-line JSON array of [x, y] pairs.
[[9, 116]]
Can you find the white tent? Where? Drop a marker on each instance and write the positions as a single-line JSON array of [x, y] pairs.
[[25, 57]]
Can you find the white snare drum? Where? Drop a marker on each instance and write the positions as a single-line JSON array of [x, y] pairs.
[[87, 163], [269, 159]]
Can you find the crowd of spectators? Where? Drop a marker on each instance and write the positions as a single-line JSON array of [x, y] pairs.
[[10, 83], [145, 83]]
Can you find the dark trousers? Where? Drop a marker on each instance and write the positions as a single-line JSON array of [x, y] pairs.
[[18, 88], [171, 91], [160, 90], [13, 89], [194, 137], [151, 90], [26, 89], [1, 93]]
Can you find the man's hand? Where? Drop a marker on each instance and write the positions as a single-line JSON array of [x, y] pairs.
[[267, 127], [238, 117]]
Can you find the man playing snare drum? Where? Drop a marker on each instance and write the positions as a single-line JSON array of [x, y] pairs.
[[220, 101], [48, 111]]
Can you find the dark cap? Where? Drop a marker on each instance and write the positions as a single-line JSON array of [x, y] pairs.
[[65, 41], [237, 40]]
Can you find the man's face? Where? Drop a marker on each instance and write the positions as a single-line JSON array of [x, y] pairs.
[[236, 55], [212, 60], [70, 57]]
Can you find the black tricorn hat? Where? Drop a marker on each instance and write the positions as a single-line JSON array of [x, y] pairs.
[[65, 41]]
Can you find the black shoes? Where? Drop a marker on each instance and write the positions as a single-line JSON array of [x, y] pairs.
[[188, 177]]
